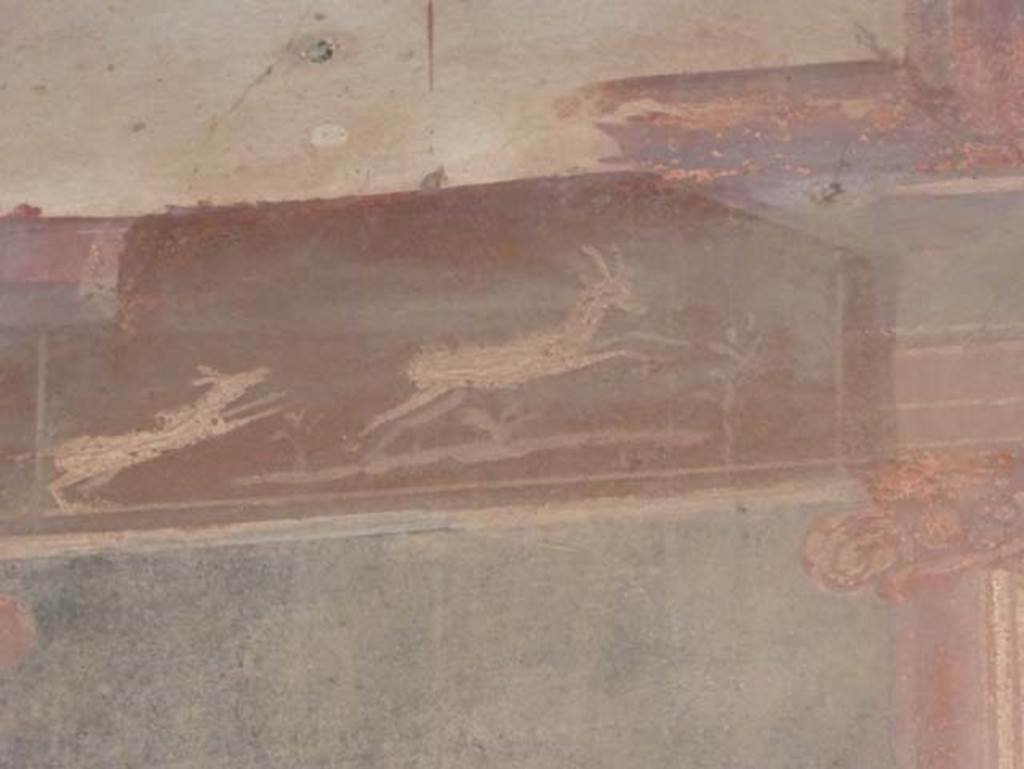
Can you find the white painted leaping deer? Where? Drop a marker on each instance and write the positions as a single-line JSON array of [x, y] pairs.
[[88, 462], [443, 377]]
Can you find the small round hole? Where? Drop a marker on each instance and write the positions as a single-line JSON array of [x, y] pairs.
[[320, 51]]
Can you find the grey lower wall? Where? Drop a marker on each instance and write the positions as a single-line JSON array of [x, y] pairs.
[[618, 635]]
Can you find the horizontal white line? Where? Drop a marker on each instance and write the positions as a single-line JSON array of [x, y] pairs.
[[1015, 400], [909, 332], [277, 500], [959, 348], [840, 492], [1013, 441], [961, 186]]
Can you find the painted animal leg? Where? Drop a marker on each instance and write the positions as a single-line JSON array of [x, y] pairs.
[[651, 337], [97, 481], [417, 401], [601, 357], [500, 414], [440, 406], [238, 411], [59, 487], [233, 424], [479, 419]]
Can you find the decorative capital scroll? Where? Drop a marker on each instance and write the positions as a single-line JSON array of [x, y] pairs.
[[932, 515]]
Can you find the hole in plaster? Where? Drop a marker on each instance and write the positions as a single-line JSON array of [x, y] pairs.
[[328, 135], [320, 51]]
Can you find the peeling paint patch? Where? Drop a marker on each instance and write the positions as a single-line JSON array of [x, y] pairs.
[[880, 115], [23, 211], [328, 135]]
